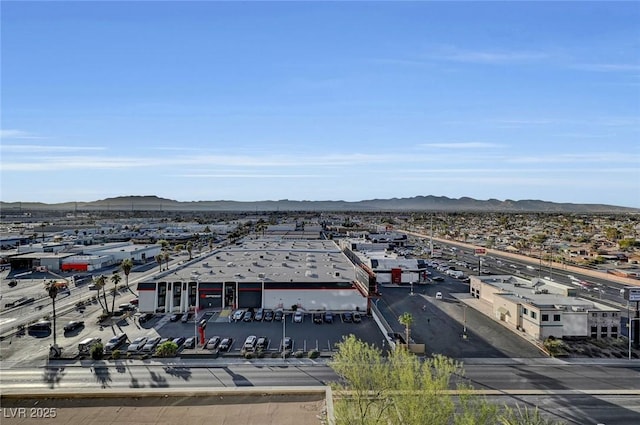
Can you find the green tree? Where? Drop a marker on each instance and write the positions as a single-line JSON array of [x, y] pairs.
[[97, 351], [115, 279], [612, 234], [403, 389], [167, 349], [126, 267], [406, 319]]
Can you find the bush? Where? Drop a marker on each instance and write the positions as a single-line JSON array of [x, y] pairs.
[[314, 354], [167, 349], [115, 354], [248, 355], [97, 352], [299, 354], [260, 354]]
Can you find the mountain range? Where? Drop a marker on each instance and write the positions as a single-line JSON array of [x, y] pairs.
[[417, 203]]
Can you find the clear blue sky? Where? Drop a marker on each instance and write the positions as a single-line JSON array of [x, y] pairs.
[[321, 101]]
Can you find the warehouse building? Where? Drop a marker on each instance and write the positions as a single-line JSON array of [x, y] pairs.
[[313, 275]]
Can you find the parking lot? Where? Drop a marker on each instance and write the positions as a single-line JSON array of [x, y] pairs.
[[306, 335]]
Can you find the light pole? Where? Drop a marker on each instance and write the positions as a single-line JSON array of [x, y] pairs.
[[411, 287], [284, 331], [630, 326], [464, 322]]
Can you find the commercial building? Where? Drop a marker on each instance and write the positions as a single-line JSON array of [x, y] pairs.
[[543, 308], [313, 275]]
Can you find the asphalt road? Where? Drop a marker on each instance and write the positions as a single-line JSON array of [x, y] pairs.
[[576, 393]]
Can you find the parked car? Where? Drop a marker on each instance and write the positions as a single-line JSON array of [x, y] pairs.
[[328, 317], [212, 343], [175, 317], [347, 317], [278, 315], [134, 301], [225, 344], [268, 315], [250, 343], [115, 343], [179, 341], [357, 317], [247, 316], [438, 279], [126, 307], [190, 342], [137, 344], [287, 344], [151, 344], [144, 318], [259, 315], [73, 325], [237, 315], [185, 317], [262, 343], [317, 318], [438, 295], [297, 317]]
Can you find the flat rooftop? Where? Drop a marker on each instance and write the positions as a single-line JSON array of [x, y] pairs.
[[267, 260]]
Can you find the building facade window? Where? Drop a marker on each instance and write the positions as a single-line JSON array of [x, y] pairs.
[[604, 331], [545, 317], [614, 331], [524, 310], [594, 331], [534, 315], [556, 317]]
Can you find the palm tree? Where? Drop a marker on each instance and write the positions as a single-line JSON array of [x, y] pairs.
[[167, 256], [126, 267], [190, 249], [406, 319], [115, 278], [52, 287], [159, 260], [101, 282]]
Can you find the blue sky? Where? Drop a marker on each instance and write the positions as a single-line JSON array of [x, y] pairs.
[[321, 101]]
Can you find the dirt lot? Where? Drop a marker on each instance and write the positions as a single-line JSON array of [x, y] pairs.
[[592, 348], [192, 410]]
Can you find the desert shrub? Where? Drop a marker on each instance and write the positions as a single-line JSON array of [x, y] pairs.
[[299, 354], [314, 354], [97, 352], [116, 354]]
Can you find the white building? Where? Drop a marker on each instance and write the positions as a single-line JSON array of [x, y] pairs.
[[313, 275], [543, 308]]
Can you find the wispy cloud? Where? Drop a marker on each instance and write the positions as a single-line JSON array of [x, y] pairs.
[[461, 145], [250, 175], [608, 67], [18, 134], [47, 148], [496, 57]]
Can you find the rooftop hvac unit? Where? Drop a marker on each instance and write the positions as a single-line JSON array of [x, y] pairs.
[[261, 275], [336, 274]]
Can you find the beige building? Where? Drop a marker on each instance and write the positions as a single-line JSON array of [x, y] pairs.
[[542, 308]]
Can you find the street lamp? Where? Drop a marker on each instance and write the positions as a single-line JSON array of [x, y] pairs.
[[464, 322], [284, 331], [629, 325], [411, 287]]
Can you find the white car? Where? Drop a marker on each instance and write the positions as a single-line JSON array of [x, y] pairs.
[[297, 318], [137, 344], [237, 315], [438, 295]]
